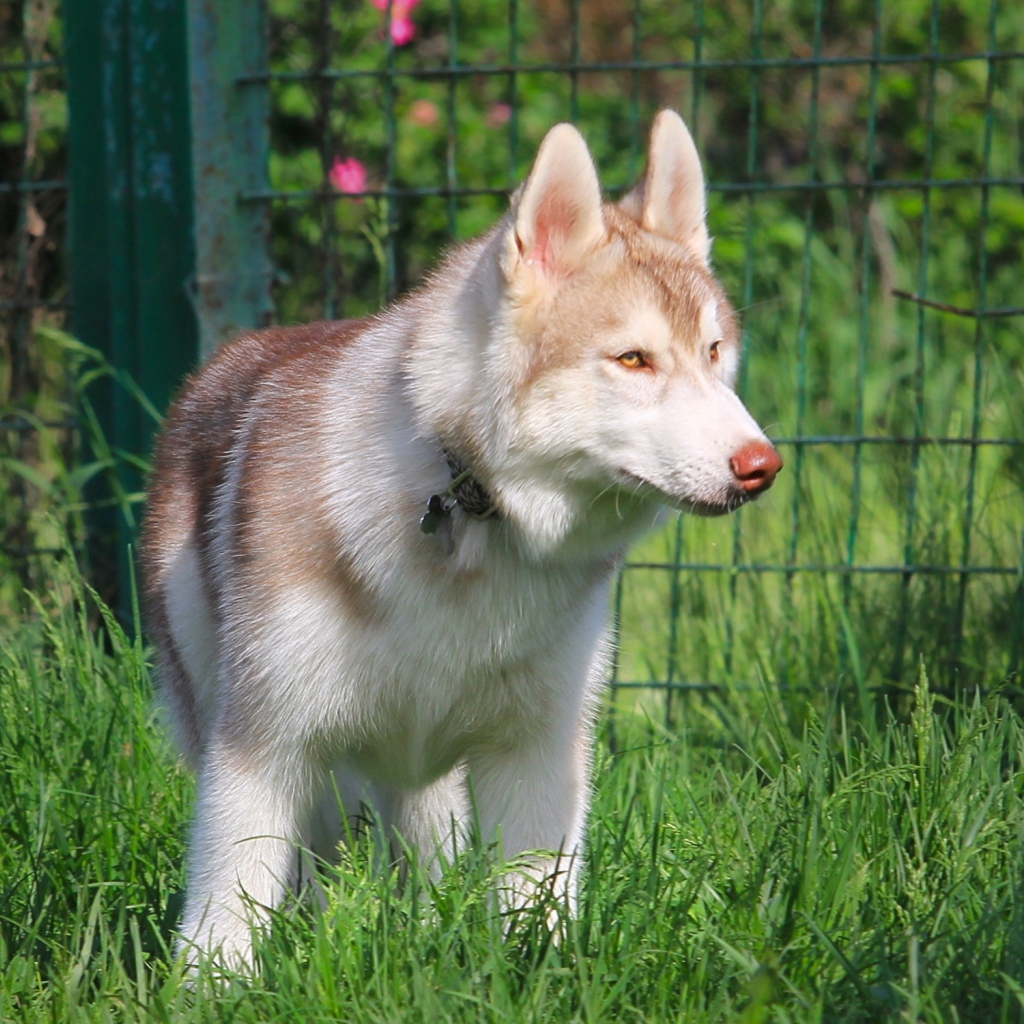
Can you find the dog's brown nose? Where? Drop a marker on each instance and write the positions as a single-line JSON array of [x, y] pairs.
[[755, 466]]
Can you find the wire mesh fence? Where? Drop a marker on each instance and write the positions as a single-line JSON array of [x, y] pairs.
[[866, 174], [866, 200], [34, 413], [867, 204]]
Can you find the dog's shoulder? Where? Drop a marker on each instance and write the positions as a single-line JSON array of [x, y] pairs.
[[203, 425]]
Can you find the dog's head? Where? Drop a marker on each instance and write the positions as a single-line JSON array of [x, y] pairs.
[[611, 350]]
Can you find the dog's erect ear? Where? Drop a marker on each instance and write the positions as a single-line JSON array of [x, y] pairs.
[[558, 218], [670, 200]]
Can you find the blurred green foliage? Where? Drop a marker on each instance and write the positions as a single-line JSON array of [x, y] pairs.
[[831, 351], [481, 146], [33, 286]]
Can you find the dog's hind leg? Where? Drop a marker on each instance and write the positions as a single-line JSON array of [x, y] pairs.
[[427, 824], [188, 649], [345, 811]]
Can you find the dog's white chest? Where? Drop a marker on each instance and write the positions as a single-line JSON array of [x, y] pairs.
[[458, 661]]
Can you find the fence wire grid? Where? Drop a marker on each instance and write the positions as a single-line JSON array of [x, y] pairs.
[[867, 203], [33, 219], [865, 161]]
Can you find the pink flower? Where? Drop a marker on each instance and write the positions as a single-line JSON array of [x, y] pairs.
[[402, 30], [348, 176], [500, 114], [402, 27], [424, 113]]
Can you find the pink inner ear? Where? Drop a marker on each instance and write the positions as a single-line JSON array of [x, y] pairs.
[[552, 226]]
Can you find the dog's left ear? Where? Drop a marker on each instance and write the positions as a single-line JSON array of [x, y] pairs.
[[670, 200], [557, 214]]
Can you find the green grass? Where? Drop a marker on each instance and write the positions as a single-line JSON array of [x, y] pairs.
[[820, 837], [739, 869]]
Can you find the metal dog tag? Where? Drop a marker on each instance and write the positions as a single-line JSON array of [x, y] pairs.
[[435, 515]]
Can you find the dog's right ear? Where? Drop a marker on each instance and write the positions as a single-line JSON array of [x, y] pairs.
[[557, 219], [670, 200]]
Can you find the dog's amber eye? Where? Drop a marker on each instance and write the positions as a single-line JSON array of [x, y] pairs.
[[715, 354], [632, 360]]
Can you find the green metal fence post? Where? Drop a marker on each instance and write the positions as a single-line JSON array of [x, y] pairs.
[[131, 249], [230, 137]]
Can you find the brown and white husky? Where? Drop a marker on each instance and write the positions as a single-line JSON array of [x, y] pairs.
[[378, 553]]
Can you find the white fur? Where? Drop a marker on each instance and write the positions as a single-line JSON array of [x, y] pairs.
[[674, 203], [191, 622]]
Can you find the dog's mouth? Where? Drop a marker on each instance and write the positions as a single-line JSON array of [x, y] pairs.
[[707, 508]]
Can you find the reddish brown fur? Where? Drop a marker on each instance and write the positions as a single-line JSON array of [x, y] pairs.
[[191, 461]]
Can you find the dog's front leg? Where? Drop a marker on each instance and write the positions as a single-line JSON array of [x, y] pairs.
[[243, 849], [534, 796]]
